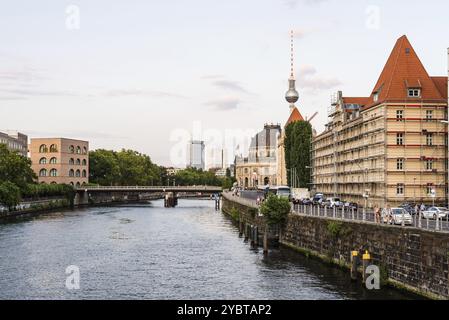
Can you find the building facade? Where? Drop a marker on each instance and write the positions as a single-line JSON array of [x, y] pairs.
[[390, 147], [60, 160], [196, 155], [15, 141], [260, 167]]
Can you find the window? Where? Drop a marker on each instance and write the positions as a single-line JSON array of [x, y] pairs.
[[400, 139], [414, 93], [84, 173], [43, 161], [53, 173], [84, 162], [78, 174], [84, 150], [43, 173], [78, 150], [71, 161], [78, 162], [400, 164], [376, 96], [429, 115], [43, 148], [399, 115], [429, 189], [53, 148], [400, 189], [429, 164], [53, 160], [72, 149], [429, 139], [71, 173]]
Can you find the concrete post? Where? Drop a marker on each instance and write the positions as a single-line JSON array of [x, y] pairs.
[[366, 263], [335, 213], [353, 216], [354, 264]]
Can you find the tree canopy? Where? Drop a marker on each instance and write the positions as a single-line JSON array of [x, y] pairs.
[[15, 168], [275, 209], [298, 140]]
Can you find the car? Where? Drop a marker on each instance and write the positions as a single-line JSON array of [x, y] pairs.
[[434, 212], [317, 198], [397, 217], [409, 207], [351, 205], [335, 202], [306, 201], [324, 202]]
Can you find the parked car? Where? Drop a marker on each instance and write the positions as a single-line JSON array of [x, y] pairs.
[[434, 212], [409, 207], [351, 205], [317, 198], [324, 202], [335, 202], [398, 215]]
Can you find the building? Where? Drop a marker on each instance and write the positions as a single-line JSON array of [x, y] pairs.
[[61, 161], [260, 167], [196, 155], [292, 96], [389, 147], [15, 141]]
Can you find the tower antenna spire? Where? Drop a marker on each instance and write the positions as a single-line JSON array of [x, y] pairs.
[[292, 95]]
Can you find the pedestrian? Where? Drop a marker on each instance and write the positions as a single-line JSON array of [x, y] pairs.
[[377, 213], [389, 215]]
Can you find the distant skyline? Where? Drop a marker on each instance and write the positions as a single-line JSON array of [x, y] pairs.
[[142, 74]]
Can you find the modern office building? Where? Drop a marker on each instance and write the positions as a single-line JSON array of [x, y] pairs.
[[389, 147], [196, 155], [260, 167], [60, 160], [15, 141]]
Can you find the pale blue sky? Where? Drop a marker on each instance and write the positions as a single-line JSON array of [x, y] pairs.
[[135, 71]]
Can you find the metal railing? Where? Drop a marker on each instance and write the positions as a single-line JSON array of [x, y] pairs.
[[150, 188], [367, 216]]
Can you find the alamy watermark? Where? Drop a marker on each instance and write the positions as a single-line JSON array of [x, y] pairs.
[[72, 281], [73, 17]]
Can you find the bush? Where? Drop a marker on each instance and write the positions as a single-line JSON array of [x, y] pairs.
[[9, 194], [275, 210]]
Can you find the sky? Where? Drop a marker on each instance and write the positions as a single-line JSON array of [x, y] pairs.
[[150, 75]]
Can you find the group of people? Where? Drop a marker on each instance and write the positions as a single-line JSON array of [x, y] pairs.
[[389, 215]]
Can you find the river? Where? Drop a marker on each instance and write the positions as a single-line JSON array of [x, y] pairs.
[[150, 252]]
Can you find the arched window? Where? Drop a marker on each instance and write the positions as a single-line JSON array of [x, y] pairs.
[[71, 183], [53, 173], [71, 173], [71, 161], [43, 161], [43, 148], [84, 162], [53, 182], [78, 150], [84, 150], [43, 173], [53, 148], [72, 149], [53, 160], [84, 173], [78, 174], [78, 184], [78, 162]]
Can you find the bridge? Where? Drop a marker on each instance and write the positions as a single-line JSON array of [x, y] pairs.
[[108, 194]]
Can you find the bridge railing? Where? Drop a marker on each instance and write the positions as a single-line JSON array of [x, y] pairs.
[[157, 188]]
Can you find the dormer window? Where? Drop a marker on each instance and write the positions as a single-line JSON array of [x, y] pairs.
[[376, 96], [414, 93]]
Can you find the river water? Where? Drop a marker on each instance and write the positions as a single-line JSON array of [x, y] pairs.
[[150, 252]]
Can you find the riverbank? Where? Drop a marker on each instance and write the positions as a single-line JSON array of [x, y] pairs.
[[409, 259]]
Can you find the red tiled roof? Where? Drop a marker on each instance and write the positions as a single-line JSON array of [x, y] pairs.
[[441, 84], [294, 116], [402, 71], [356, 100]]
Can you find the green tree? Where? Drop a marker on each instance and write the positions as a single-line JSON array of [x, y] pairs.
[[9, 194], [275, 209], [15, 168], [103, 167], [298, 140]]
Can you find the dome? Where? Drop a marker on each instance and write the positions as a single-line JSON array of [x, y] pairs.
[[292, 96]]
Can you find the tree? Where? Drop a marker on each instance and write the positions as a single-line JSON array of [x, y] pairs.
[[298, 140], [9, 194], [15, 168], [275, 209], [103, 167]]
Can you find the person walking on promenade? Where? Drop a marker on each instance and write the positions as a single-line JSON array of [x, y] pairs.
[[377, 213], [389, 215]]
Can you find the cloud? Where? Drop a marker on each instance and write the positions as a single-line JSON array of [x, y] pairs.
[[224, 104], [309, 79], [117, 93], [26, 93], [230, 85]]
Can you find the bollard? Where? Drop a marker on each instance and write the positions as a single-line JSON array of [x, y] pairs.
[[245, 232], [419, 220], [366, 262], [353, 216], [240, 229], [427, 221], [364, 214], [251, 228], [354, 263], [265, 241], [334, 213], [325, 211], [437, 221], [256, 236]]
